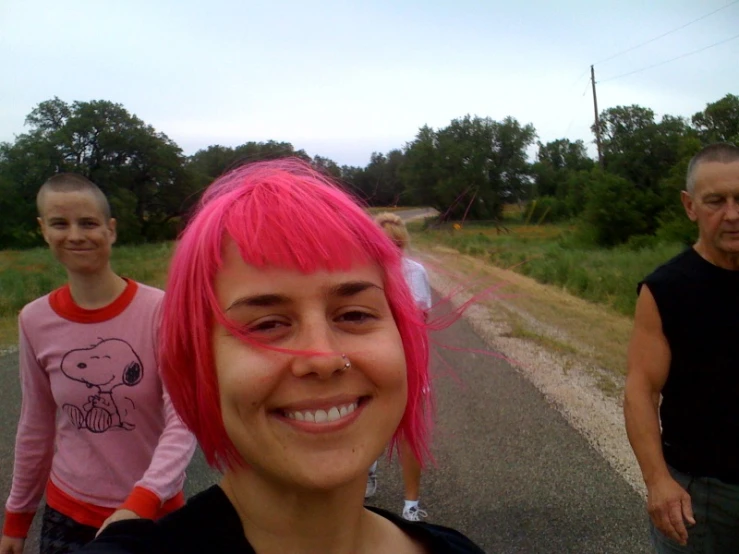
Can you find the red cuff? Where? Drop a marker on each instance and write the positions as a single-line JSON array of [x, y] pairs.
[[145, 503], [17, 524]]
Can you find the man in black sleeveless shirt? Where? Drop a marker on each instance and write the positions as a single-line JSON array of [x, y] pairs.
[[684, 350]]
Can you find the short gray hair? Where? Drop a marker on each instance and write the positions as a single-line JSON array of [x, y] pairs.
[[723, 152]]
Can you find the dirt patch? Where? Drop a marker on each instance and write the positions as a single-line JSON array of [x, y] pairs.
[[573, 351]]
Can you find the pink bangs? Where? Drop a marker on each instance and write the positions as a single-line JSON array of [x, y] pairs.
[[279, 223], [281, 214]]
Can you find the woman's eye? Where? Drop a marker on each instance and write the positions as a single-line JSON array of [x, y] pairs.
[[266, 326], [356, 316]]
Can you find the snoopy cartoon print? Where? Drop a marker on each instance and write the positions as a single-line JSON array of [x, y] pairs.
[[104, 367]]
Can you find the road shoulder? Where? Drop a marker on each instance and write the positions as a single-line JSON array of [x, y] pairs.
[[571, 350]]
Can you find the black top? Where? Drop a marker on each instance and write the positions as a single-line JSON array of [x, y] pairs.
[[698, 303], [209, 524]]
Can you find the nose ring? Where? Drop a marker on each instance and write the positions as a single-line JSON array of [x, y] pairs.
[[347, 363]]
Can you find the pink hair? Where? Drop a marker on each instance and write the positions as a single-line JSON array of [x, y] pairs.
[[283, 214]]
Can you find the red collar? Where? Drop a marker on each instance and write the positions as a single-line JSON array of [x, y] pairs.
[[63, 304]]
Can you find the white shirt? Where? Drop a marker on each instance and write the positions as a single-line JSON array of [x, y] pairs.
[[418, 281]]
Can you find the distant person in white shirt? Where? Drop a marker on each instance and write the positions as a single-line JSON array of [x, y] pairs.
[[418, 281]]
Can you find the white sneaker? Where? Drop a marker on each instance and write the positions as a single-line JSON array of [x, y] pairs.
[[414, 513]]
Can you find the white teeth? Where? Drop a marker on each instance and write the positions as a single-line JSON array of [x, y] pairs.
[[323, 416]]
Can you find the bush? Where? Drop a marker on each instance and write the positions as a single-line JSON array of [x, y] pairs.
[[678, 229], [616, 209], [640, 242]]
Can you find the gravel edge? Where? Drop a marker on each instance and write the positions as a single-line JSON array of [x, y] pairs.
[[568, 382]]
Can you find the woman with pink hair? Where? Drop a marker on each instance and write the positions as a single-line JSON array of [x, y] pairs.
[[293, 349]]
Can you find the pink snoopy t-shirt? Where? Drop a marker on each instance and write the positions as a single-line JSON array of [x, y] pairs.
[[97, 431]]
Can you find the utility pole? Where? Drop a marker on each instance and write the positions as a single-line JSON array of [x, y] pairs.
[[597, 123]]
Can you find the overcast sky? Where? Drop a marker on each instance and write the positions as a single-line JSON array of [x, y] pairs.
[[343, 79]]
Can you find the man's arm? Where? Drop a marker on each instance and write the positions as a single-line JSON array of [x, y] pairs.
[[649, 359]]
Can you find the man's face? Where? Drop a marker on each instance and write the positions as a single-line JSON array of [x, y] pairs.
[[714, 205], [77, 230]]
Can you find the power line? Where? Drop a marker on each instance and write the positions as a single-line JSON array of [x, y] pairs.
[[577, 109], [583, 75], [667, 33], [671, 59]]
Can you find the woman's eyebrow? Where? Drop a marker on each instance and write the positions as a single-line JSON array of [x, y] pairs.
[[259, 301], [351, 288]]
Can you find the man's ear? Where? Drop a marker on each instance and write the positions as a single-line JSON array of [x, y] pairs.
[[42, 226], [688, 204], [112, 227]]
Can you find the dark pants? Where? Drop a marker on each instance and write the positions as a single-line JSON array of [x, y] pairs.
[[716, 510], [63, 535]]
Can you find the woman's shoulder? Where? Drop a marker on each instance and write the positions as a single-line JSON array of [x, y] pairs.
[[437, 538], [40, 307], [207, 523]]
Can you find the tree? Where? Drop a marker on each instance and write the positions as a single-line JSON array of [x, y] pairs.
[[24, 165], [719, 122], [210, 163], [674, 225], [327, 166], [615, 209], [418, 172], [379, 184], [638, 148], [555, 161], [469, 168], [139, 169]]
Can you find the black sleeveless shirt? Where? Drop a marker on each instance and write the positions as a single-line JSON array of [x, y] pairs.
[[698, 303]]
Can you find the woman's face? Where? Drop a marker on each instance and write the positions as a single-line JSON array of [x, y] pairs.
[[303, 420]]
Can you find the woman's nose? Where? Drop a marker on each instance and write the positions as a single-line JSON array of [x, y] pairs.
[[320, 353]]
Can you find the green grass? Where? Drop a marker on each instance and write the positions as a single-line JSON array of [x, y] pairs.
[[27, 274], [553, 254], [520, 331]]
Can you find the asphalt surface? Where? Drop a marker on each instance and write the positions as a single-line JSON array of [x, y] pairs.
[[416, 213], [509, 471]]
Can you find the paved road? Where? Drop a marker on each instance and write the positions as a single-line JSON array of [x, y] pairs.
[[510, 472], [416, 213]]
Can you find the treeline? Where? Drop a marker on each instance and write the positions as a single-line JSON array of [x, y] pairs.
[[635, 194], [467, 170]]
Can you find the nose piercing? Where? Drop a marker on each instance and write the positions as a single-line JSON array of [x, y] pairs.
[[347, 363]]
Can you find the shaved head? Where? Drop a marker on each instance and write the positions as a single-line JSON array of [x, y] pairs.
[[71, 182]]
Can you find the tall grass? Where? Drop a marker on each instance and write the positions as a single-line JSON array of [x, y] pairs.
[[28, 274], [556, 255]]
